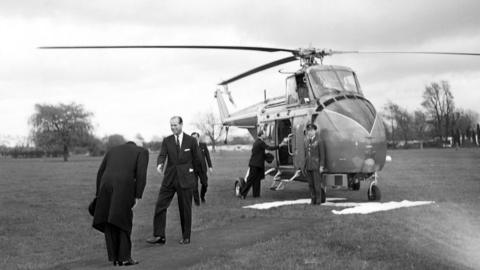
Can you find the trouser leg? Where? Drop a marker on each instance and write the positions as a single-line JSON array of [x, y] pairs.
[[311, 186], [160, 217], [204, 182], [184, 197], [317, 179], [124, 245], [249, 182], [257, 183], [111, 242], [196, 196]]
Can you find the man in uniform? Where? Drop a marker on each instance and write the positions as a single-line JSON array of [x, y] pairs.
[[179, 177], [314, 164], [201, 170], [256, 166]]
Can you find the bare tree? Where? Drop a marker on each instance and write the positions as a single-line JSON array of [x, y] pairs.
[[438, 102], [389, 114], [420, 125], [209, 125]]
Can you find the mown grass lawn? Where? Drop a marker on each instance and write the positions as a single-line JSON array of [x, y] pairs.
[[44, 222]]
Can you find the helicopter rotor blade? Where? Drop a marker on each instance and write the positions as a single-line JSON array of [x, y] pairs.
[[406, 52], [260, 68], [245, 48]]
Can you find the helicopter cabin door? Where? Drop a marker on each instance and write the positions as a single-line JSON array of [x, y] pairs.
[[297, 138], [284, 129]]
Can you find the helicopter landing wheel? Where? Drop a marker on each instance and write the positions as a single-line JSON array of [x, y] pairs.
[[374, 193]]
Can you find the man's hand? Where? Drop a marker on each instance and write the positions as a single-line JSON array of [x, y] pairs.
[[321, 169], [211, 170], [135, 203], [159, 168], [284, 142]]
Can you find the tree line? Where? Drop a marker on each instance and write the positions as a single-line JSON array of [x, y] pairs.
[[437, 122], [63, 129]]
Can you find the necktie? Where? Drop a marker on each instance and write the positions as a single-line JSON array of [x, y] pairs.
[[178, 144]]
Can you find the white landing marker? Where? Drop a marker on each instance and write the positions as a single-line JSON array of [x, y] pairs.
[[367, 208], [269, 205], [351, 207]]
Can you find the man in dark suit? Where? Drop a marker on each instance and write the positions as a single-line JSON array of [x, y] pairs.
[[201, 170], [179, 177], [256, 166], [121, 180], [315, 164]]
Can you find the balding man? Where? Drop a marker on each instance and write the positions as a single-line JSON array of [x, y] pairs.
[[179, 177]]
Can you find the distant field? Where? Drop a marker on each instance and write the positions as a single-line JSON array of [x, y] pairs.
[[44, 223]]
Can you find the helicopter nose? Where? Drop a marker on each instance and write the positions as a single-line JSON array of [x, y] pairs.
[[356, 108]]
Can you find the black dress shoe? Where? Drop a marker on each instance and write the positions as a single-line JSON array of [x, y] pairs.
[[157, 240], [129, 262], [184, 241], [197, 203], [203, 200]]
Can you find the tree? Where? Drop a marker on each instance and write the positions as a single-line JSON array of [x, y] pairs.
[[438, 102], [96, 147], [60, 126], [419, 125], [114, 140], [404, 122], [210, 126], [390, 114], [401, 121]]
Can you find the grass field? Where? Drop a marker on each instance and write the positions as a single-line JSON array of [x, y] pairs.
[[45, 225]]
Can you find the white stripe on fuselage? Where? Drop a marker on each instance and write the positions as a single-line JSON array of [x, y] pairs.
[[355, 121]]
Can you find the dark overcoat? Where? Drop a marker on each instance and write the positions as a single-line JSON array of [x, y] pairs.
[[257, 159], [121, 178], [180, 166]]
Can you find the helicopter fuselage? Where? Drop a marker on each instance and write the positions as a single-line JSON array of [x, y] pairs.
[[331, 98]]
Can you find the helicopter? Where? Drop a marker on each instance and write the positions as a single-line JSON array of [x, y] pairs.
[[328, 96]]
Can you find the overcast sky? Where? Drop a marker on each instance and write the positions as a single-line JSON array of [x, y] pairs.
[[137, 91]]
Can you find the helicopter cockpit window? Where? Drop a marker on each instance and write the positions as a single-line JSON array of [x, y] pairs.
[[348, 80], [331, 81]]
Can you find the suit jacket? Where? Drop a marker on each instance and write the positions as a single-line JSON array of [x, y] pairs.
[[204, 158], [314, 154], [180, 165], [120, 179], [257, 159]]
